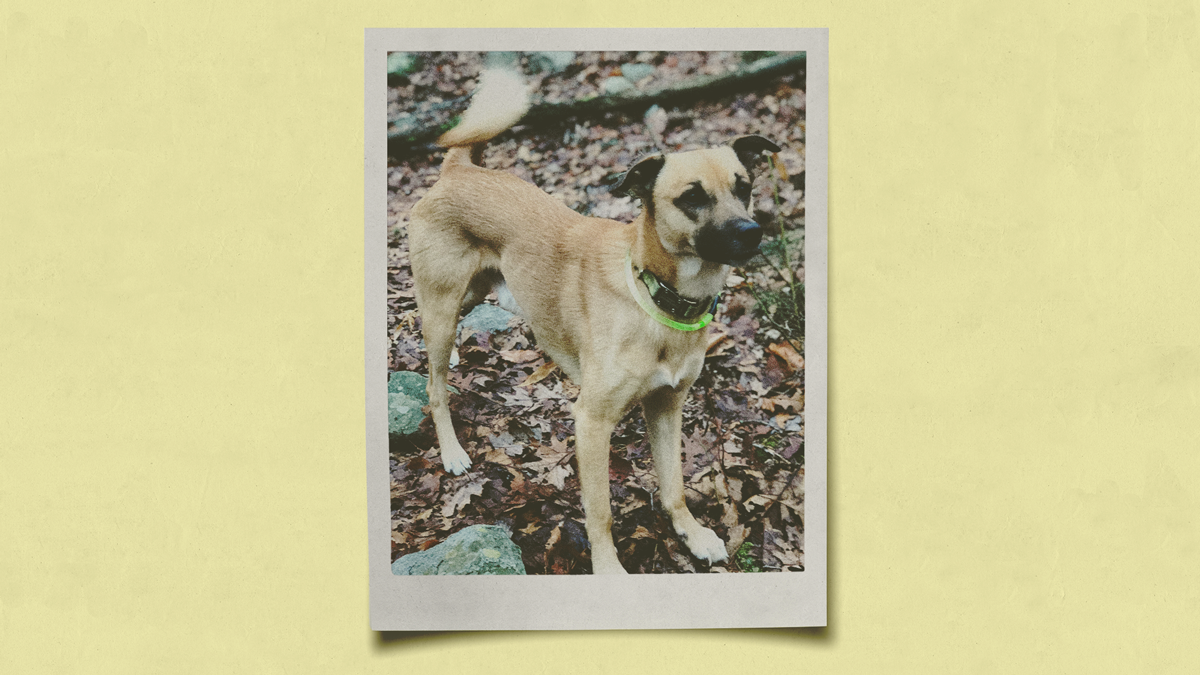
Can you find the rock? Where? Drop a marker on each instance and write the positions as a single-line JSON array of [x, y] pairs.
[[636, 72], [487, 318], [504, 60], [406, 397], [550, 62], [478, 549], [616, 85], [402, 63]]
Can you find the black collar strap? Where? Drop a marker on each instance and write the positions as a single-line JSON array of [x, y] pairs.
[[672, 303]]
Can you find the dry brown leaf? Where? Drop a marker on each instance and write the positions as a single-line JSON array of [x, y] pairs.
[[540, 374], [520, 355], [518, 480], [498, 457], [555, 535], [642, 533], [736, 534], [757, 501], [716, 339], [779, 403], [430, 483], [791, 357], [463, 496], [557, 475], [720, 486]]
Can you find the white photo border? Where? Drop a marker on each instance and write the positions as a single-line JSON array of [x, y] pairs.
[[649, 601]]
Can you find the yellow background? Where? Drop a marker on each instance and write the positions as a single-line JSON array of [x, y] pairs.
[[1015, 330]]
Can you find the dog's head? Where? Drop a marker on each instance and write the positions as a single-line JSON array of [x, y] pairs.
[[700, 201]]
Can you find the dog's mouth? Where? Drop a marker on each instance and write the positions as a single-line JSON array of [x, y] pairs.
[[730, 243]]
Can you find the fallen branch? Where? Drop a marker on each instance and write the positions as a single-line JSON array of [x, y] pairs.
[[410, 132]]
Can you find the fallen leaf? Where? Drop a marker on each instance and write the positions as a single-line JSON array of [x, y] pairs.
[[642, 533], [520, 355], [557, 475], [498, 457], [430, 483], [779, 403], [463, 496], [619, 467], [540, 374], [505, 441], [735, 535], [791, 357], [757, 501], [555, 535]]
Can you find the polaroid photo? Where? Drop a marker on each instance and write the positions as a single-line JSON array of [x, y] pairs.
[[596, 318]]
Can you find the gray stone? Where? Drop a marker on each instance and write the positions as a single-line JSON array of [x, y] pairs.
[[616, 85], [402, 63], [507, 60], [406, 397], [550, 62], [636, 72], [487, 318], [478, 549]]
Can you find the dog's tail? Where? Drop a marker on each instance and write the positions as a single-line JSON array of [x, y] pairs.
[[499, 102]]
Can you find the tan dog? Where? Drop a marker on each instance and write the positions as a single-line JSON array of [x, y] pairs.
[[619, 307]]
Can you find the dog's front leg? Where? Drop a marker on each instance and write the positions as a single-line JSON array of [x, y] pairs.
[[593, 429], [664, 420]]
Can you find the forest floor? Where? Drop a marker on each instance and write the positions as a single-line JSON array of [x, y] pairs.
[[743, 430]]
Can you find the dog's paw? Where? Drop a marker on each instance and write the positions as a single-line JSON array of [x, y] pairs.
[[610, 568], [456, 460], [706, 545]]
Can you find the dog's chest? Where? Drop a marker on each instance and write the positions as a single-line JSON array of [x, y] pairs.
[[676, 373]]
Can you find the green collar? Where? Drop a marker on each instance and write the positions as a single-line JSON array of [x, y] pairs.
[[669, 308]]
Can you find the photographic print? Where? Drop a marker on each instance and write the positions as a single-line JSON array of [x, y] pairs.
[[598, 266]]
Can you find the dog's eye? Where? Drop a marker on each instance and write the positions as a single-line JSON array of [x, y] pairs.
[[742, 190], [695, 196]]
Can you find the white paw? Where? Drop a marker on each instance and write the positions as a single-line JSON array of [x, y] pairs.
[[609, 568], [455, 459], [706, 545]]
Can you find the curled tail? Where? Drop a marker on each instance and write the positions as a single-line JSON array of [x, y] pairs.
[[500, 101]]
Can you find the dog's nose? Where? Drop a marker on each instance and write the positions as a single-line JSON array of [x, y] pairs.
[[746, 234]]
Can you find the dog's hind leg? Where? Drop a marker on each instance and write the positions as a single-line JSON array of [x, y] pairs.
[[664, 418], [440, 293]]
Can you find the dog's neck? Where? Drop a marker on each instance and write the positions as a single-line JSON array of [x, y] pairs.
[[690, 275]]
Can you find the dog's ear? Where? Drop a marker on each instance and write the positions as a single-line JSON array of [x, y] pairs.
[[749, 150], [639, 179]]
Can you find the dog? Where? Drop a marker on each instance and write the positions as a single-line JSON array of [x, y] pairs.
[[620, 307]]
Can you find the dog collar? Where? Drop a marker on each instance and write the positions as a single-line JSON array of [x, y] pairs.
[[669, 307]]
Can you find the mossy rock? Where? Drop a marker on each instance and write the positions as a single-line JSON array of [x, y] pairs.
[[478, 549], [406, 398]]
